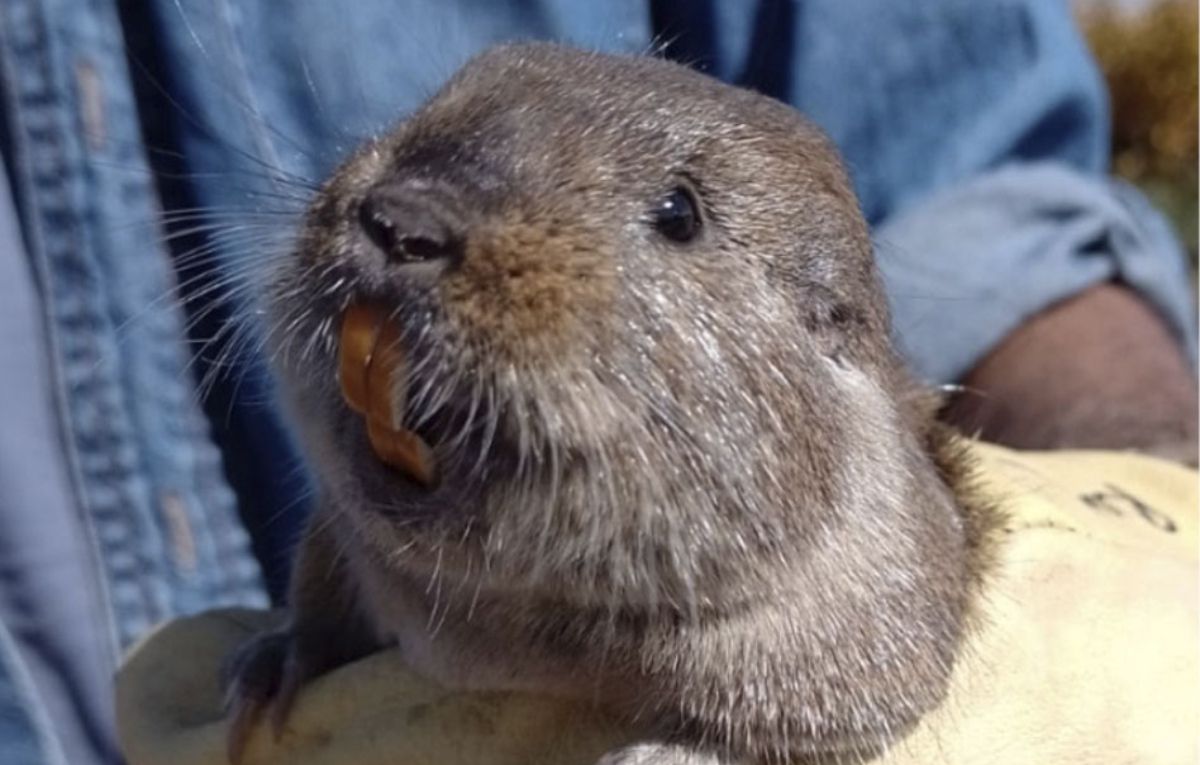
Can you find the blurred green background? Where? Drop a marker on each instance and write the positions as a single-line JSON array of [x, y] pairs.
[[1148, 52]]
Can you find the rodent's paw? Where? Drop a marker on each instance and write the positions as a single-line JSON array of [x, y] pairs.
[[660, 754], [262, 675]]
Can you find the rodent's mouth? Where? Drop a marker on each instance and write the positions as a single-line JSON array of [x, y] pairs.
[[470, 454], [421, 436], [374, 379]]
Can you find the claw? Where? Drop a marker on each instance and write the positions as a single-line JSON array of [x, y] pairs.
[[262, 676], [244, 714], [285, 695]]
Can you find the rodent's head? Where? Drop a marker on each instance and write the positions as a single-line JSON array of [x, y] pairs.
[[645, 336]]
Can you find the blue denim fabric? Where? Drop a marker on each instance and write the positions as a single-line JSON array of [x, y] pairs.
[[160, 523], [27, 735], [975, 132], [52, 604], [966, 265]]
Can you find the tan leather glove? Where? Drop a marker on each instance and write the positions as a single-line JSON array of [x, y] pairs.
[[1088, 654]]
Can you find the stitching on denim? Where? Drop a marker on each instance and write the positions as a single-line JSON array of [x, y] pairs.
[[18, 680]]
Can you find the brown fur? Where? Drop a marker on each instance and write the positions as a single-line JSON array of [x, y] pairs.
[[689, 482]]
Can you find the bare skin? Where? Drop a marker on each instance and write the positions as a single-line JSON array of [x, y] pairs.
[[1100, 370]]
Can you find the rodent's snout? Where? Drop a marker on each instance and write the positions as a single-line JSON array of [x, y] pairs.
[[413, 222]]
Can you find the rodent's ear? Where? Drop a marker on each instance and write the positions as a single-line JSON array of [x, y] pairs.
[[836, 325], [841, 322]]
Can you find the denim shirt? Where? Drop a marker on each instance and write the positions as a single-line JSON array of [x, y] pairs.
[[975, 132]]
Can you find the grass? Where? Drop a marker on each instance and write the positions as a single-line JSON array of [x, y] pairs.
[[1149, 60]]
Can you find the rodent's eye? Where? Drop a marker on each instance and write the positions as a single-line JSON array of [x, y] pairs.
[[677, 216]]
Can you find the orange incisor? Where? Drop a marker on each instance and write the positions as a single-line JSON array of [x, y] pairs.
[[370, 366]]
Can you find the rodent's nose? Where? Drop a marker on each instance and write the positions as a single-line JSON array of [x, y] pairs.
[[411, 223]]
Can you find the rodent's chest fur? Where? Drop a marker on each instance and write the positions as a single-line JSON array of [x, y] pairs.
[[488, 642], [864, 599], [706, 493]]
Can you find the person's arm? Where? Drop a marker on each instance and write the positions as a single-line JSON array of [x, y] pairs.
[[1098, 370]]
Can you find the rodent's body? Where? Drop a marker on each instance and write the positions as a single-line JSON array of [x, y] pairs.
[[683, 474]]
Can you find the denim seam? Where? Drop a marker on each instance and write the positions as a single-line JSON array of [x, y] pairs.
[[223, 571], [21, 169], [22, 684]]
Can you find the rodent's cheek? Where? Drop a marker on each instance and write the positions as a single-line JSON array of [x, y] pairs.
[[528, 290], [313, 408]]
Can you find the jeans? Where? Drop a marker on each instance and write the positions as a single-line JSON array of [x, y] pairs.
[[975, 132]]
